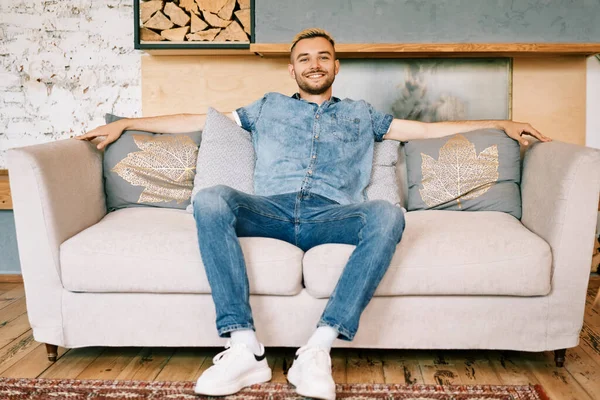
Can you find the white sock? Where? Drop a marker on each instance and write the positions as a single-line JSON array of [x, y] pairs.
[[323, 337], [248, 337]]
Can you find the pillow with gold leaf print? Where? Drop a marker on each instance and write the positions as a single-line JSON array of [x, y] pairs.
[[472, 171], [150, 169]]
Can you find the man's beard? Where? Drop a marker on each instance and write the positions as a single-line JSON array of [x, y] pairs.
[[304, 84]]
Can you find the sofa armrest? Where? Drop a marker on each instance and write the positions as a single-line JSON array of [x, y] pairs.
[[559, 190], [57, 192]]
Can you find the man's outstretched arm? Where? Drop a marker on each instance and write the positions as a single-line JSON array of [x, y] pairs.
[[406, 130], [176, 123]]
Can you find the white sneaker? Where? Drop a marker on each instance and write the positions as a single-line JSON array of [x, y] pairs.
[[233, 369], [311, 373]]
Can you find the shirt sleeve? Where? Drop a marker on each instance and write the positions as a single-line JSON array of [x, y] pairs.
[[249, 114], [381, 123]]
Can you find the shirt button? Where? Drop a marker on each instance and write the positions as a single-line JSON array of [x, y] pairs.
[[309, 172], [317, 116], [316, 136], [314, 156]]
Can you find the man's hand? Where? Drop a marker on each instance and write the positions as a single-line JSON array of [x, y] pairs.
[[516, 130], [111, 132]]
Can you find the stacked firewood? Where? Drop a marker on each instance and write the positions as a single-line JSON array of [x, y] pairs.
[[195, 20]]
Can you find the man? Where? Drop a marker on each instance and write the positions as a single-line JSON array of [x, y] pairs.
[[313, 162]]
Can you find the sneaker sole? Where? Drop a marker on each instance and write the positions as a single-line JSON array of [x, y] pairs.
[[309, 392], [252, 378]]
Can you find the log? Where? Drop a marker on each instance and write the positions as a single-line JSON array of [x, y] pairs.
[[233, 32], [159, 22], [148, 8], [198, 24], [215, 21], [213, 6], [227, 10], [244, 4], [190, 6], [176, 34], [176, 14], [149, 35], [207, 35], [244, 17]]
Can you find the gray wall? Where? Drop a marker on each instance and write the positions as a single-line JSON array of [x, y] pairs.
[[431, 21], [9, 256]]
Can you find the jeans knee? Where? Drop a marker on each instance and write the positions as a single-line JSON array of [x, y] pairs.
[[388, 218], [212, 198]]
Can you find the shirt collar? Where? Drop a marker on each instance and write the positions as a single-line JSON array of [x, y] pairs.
[[332, 100]]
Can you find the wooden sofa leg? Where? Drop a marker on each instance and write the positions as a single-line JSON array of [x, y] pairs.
[[559, 357], [52, 351]]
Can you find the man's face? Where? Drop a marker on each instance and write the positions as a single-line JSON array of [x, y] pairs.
[[313, 65]]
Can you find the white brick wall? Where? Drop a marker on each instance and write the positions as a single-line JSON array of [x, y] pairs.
[[63, 65]]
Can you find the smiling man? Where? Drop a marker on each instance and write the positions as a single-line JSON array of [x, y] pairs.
[[313, 163]]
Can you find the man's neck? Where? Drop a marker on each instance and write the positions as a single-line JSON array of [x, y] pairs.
[[316, 98]]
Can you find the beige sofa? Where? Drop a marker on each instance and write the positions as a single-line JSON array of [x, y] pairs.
[[459, 280]]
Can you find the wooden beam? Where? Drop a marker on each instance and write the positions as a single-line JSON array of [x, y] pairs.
[[5, 198], [446, 50]]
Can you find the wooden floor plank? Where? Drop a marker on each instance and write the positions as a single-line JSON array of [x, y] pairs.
[[9, 297], [397, 368], [280, 360], [364, 366], [585, 371], [12, 310], [439, 372], [590, 341], [185, 364], [10, 330], [557, 382], [33, 364], [110, 363], [510, 368], [473, 367], [16, 350], [5, 287], [147, 364], [72, 363], [338, 366]]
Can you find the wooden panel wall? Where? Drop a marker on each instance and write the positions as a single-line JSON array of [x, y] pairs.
[[189, 84], [548, 92]]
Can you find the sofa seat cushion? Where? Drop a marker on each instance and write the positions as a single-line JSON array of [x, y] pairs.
[[155, 250], [448, 253]]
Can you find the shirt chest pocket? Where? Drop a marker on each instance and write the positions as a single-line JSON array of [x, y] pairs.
[[344, 128]]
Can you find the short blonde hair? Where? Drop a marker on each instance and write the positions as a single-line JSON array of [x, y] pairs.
[[312, 33]]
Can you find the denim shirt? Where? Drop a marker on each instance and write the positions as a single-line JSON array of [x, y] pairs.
[[303, 147]]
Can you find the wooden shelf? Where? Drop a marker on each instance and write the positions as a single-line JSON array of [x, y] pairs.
[[427, 50]]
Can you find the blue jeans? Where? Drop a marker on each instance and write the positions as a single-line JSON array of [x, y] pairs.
[[305, 220]]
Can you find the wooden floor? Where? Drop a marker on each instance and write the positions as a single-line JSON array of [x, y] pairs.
[[21, 356]]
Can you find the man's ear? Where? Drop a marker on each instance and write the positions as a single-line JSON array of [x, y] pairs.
[[291, 71], [337, 66]]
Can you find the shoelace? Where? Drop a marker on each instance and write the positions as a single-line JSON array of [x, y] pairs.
[[230, 349]]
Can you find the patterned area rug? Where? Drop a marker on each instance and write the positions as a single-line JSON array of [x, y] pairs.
[[39, 389]]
